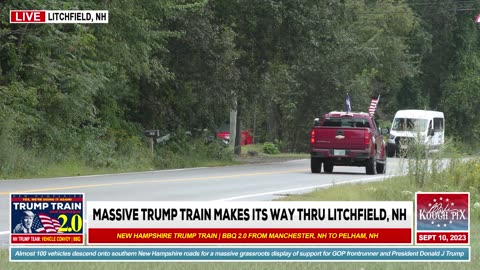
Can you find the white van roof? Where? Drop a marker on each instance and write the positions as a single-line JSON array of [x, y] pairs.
[[418, 114]]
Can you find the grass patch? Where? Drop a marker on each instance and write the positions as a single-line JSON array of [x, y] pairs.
[[17, 162], [29, 164], [78, 168], [259, 149], [460, 176], [236, 265], [75, 167]]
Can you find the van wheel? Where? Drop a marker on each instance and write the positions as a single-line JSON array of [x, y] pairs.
[[390, 151], [328, 167], [316, 165], [382, 167], [370, 168]]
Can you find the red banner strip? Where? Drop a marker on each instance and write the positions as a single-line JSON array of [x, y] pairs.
[[248, 236], [46, 238]]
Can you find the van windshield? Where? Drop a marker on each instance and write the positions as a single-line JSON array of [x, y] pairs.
[[409, 124]]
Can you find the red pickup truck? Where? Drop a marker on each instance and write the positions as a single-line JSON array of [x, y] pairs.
[[347, 139]]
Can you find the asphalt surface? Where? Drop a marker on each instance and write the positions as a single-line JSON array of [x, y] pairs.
[[251, 182]]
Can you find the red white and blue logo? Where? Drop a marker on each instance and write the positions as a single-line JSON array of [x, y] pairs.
[[442, 211]]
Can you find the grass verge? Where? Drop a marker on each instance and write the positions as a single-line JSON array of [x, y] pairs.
[[29, 164], [259, 149]]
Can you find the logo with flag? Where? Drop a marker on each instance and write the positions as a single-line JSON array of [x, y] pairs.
[[44, 224], [348, 107], [442, 211], [373, 106]]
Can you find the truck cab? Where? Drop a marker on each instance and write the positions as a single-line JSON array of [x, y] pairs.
[[347, 139]]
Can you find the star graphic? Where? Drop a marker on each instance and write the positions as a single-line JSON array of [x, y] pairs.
[[452, 203], [434, 200], [433, 222], [444, 225], [438, 225], [446, 200], [441, 198], [429, 204]]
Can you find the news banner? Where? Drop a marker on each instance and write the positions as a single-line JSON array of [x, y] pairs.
[[53, 227]]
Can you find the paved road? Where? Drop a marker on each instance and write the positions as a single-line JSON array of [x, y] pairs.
[[244, 182]]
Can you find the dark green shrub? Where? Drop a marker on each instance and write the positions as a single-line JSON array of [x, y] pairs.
[[270, 148]]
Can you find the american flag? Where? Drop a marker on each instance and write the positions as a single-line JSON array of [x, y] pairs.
[[373, 106], [348, 107], [44, 224]]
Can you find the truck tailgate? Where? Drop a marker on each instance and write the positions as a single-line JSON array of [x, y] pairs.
[[340, 138]]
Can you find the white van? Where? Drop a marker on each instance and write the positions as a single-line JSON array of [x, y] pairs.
[[425, 127]]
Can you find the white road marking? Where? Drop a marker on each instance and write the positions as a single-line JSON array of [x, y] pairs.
[[107, 174], [302, 188]]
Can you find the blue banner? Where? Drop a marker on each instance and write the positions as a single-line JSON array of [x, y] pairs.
[[267, 254]]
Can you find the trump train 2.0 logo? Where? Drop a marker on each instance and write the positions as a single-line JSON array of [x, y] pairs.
[[442, 211], [39, 218]]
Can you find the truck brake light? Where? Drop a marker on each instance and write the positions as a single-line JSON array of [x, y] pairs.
[[367, 137], [312, 136]]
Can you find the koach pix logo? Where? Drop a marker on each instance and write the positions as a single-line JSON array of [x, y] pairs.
[[442, 211]]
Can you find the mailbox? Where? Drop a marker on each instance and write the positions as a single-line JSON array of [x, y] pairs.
[[152, 133]]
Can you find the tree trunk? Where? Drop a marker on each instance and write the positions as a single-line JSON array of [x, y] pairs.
[[271, 123], [238, 138], [22, 35], [233, 127], [233, 123], [254, 122]]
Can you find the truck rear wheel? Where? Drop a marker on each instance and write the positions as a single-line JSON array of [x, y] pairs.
[[328, 167], [390, 151], [316, 165], [370, 168], [382, 167]]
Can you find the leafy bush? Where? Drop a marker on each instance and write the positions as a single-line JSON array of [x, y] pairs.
[[270, 148], [281, 145], [96, 150], [189, 153], [216, 150]]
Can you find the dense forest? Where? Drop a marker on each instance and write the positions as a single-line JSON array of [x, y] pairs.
[[90, 90]]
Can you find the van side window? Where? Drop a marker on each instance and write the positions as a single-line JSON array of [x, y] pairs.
[[438, 124]]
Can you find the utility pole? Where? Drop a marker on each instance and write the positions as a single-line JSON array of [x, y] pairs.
[[233, 126], [233, 123], [237, 150]]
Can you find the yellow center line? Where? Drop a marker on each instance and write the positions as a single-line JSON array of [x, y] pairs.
[[150, 181]]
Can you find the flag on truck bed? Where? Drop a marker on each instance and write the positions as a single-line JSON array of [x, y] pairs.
[[373, 106], [348, 108]]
